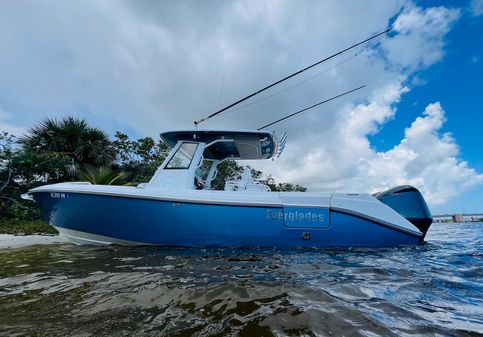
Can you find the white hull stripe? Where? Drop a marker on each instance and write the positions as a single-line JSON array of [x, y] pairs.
[[83, 238], [177, 199], [375, 220]]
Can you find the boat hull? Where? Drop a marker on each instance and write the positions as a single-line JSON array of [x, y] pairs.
[[108, 219]]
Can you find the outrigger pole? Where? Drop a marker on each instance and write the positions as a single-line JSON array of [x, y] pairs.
[[290, 76], [310, 107]]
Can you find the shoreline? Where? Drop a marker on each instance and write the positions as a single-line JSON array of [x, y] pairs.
[[17, 241], [21, 227]]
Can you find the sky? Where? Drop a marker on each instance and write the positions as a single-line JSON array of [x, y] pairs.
[[144, 67]]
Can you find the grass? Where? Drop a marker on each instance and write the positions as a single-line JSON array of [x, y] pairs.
[[15, 226]]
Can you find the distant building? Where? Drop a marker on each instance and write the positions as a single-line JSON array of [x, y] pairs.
[[458, 218]]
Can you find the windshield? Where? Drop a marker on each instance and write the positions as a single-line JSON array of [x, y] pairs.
[[182, 158]]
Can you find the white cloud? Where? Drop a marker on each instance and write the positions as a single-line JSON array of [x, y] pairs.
[[153, 66], [427, 159], [424, 158], [419, 40], [158, 66], [476, 7]]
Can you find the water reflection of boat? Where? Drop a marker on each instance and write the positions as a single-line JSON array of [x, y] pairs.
[[177, 207]]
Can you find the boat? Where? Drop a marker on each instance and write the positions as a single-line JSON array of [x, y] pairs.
[[179, 208]]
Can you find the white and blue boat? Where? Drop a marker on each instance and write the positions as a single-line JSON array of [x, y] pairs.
[[177, 207]]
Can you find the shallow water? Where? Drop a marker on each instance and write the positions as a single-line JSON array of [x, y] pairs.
[[432, 289]]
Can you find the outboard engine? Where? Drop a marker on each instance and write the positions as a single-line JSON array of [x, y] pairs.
[[409, 202]]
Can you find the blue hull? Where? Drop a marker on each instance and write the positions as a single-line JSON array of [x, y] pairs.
[[166, 223]]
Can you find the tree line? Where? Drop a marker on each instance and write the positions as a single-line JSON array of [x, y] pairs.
[[70, 149]]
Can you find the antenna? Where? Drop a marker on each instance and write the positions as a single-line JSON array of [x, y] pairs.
[[289, 76], [310, 107], [282, 142]]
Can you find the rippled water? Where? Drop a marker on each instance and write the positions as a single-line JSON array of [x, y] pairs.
[[433, 289]]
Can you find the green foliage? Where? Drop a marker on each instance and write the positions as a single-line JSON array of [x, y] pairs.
[[139, 159], [32, 169], [72, 137], [228, 169], [99, 175], [15, 226], [50, 153], [21, 170], [283, 187]]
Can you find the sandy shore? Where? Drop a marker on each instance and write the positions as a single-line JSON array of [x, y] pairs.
[[15, 241]]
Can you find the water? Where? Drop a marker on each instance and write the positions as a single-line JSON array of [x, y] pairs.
[[64, 290]]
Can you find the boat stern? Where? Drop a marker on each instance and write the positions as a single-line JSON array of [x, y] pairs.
[[409, 202]]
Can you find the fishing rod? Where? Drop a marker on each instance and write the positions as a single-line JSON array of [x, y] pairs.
[[294, 85], [311, 107], [290, 76]]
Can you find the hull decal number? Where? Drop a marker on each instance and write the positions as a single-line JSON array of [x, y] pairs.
[[57, 195]]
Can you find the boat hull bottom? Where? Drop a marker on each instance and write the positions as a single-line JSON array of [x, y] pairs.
[[80, 238], [84, 238]]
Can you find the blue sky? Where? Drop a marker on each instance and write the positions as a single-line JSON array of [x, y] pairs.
[[457, 82], [144, 67]]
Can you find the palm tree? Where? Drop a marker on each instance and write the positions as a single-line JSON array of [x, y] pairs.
[[99, 175], [73, 137]]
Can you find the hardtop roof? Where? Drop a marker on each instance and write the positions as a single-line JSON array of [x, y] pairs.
[[236, 144]]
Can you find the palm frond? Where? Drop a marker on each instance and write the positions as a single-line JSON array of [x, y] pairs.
[[99, 175], [73, 137]]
